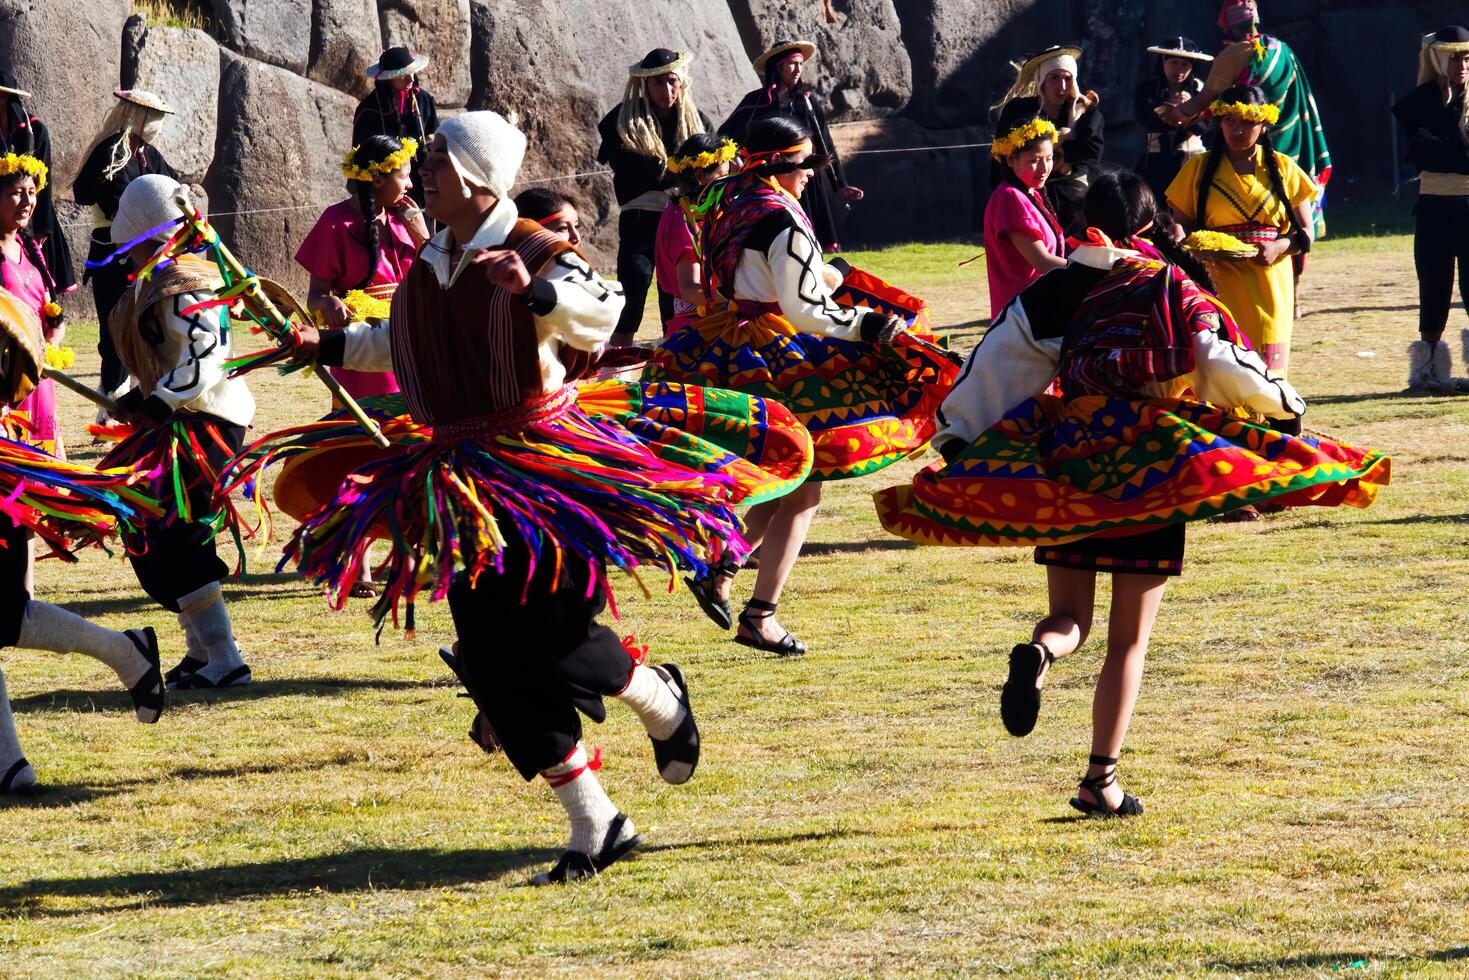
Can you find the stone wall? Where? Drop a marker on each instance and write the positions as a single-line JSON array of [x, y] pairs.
[[266, 95]]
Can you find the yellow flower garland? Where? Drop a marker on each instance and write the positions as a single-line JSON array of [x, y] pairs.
[[722, 153], [1266, 112], [1015, 139], [361, 307], [17, 162], [60, 358], [352, 171]]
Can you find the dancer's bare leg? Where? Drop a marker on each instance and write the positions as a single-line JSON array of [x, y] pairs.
[[757, 520], [781, 546]]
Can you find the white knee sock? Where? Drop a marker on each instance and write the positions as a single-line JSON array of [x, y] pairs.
[[652, 697], [48, 627], [10, 752], [587, 807], [209, 622], [193, 649]]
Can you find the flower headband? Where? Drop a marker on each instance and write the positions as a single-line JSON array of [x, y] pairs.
[[1035, 129], [1265, 112], [352, 171], [722, 153], [12, 163]]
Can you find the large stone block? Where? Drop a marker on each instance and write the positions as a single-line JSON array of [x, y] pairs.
[[346, 37], [66, 53], [441, 30], [860, 69], [273, 31], [277, 171], [183, 67]]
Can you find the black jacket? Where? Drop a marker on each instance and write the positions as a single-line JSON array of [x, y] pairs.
[[1435, 141], [634, 174]]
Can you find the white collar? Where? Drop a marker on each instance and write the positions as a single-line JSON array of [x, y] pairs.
[[491, 234], [1099, 256]]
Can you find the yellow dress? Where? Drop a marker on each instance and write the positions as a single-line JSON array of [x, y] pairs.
[[1244, 205]]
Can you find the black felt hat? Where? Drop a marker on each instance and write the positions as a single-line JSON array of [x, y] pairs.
[[395, 63]]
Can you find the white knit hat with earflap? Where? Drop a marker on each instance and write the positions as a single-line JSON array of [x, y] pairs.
[[487, 150], [147, 203]]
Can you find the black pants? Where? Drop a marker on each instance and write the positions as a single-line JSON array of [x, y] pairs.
[[637, 236], [172, 560], [109, 283], [1440, 238], [14, 559], [532, 666]]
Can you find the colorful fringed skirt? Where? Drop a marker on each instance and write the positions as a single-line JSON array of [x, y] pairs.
[[866, 405], [68, 505], [635, 475], [1052, 472]]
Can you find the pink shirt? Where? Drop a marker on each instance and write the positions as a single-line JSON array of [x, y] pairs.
[[1011, 208], [335, 251], [674, 244], [25, 281]]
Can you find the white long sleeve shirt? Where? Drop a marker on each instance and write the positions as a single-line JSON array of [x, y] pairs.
[[197, 345]]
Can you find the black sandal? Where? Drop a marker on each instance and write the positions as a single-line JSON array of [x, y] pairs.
[[576, 866], [490, 743], [239, 677], [681, 749], [147, 694], [188, 665], [11, 773], [786, 646], [1020, 699], [707, 596], [1129, 807]]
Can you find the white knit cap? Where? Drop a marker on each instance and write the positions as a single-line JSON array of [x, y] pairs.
[[147, 203], [1063, 61], [487, 150]]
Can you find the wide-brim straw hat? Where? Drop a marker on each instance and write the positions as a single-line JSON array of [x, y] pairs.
[[780, 50], [1029, 66], [145, 98], [395, 63], [18, 323], [660, 61], [1180, 47]]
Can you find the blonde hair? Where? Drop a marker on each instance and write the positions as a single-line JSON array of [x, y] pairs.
[[637, 124], [1428, 71], [125, 119]]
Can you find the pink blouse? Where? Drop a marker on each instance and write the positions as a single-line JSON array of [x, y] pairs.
[[674, 244], [1012, 208]]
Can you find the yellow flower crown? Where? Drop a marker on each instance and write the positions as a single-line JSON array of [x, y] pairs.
[[1266, 112], [1015, 139], [12, 163], [723, 153], [387, 165]]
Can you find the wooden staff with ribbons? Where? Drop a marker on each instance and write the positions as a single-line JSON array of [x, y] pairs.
[[276, 323], [72, 384]]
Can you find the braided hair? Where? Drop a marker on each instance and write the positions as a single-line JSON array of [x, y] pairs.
[[372, 150], [1249, 95]]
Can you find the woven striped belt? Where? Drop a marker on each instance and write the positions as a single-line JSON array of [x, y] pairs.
[[543, 408], [1251, 233]]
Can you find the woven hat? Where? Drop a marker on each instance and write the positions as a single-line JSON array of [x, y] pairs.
[[21, 329], [146, 204], [780, 50], [660, 61], [145, 98], [395, 63], [487, 149], [1180, 47], [1031, 65], [8, 87]]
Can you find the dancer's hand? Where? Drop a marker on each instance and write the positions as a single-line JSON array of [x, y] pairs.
[[334, 311], [308, 342], [1272, 252], [505, 270], [892, 330], [851, 193]]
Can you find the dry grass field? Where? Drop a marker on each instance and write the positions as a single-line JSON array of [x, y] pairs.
[[1301, 746]]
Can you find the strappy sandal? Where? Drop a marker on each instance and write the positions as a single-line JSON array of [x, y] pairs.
[[188, 665], [677, 756], [481, 732], [148, 693], [239, 677], [1020, 699], [786, 646], [706, 592], [1129, 807], [576, 866], [15, 770]]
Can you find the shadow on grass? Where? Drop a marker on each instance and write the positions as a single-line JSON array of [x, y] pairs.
[[1423, 519], [857, 547], [1363, 309], [54, 796], [119, 700], [364, 869], [1340, 961], [1376, 396], [141, 604]]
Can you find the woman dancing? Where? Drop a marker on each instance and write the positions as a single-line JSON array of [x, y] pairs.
[[1149, 433]]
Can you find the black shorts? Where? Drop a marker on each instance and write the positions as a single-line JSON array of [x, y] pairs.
[[1156, 551]]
